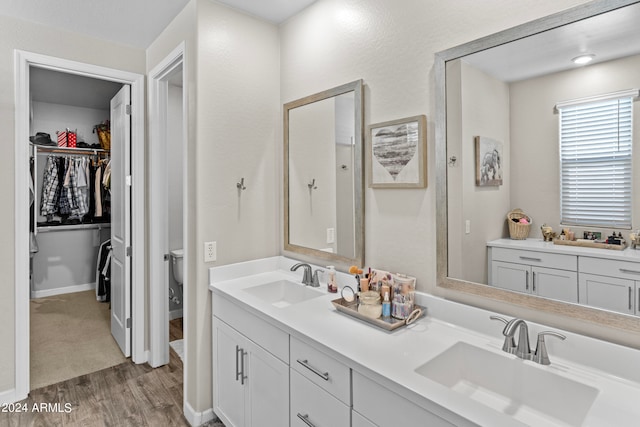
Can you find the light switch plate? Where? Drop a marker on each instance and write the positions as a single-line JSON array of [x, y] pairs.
[[331, 235]]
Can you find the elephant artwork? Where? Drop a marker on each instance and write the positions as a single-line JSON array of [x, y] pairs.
[[488, 161]]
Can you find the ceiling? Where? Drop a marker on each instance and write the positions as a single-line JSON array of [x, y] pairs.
[[135, 23], [608, 36]]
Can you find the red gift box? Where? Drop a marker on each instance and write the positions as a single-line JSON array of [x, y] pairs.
[[62, 139], [67, 139], [71, 139]]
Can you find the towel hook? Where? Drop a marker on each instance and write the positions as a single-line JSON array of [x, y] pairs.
[[312, 184], [240, 185], [452, 160]]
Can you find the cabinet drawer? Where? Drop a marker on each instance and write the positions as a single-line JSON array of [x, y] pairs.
[[610, 268], [321, 369], [540, 259], [272, 339], [387, 409], [312, 406]]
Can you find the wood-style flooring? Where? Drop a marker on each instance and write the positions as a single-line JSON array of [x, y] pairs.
[[123, 395]]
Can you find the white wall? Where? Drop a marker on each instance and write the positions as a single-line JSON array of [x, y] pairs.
[[391, 45], [231, 68], [16, 34], [534, 129], [481, 108], [175, 183]]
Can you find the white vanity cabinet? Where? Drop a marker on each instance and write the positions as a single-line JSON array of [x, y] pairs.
[[320, 388], [252, 385], [544, 274], [250, 367], [610, 284]]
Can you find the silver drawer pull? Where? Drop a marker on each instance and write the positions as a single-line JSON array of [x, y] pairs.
[[624, 270], [527, 258], [305, 363], [305, 419], [630, 299]]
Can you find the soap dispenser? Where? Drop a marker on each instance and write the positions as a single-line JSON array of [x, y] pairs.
[[332, 286]]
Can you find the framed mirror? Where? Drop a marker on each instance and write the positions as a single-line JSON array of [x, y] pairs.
[[323, 176], [512, 82]]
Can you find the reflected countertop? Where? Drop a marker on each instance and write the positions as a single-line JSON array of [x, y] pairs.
[[538, 245]]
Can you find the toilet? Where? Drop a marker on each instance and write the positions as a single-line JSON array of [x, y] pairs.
[[177, 256]]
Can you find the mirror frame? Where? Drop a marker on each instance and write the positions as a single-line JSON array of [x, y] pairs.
[[591, 315], [358, 181]]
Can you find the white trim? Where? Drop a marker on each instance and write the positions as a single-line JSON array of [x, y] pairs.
[[158, 204], [62, 290], [197, 418], [8, 396], [629, 93], [23, 60]]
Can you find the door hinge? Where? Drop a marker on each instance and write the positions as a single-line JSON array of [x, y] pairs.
[[128, 251], [128, 322], [127, 109], [127, 180]]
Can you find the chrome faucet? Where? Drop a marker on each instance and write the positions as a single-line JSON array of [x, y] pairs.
[[523, 350], [306, 276]]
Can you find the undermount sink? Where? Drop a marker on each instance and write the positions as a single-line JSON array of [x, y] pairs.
[[283, 293], [526, 392]]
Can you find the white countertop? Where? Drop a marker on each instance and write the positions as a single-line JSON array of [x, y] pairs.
[[539, 245], [390, 358]]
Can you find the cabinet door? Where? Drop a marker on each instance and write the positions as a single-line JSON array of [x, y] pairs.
[[610, 293], [507, 275], [268, 384], [555, 284], [229, 390]]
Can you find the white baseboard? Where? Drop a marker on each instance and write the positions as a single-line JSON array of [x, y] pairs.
[[65, 290], [8, 396], [175, 314], [197, 418]]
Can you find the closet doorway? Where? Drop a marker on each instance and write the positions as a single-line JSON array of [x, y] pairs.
[[125, 224]]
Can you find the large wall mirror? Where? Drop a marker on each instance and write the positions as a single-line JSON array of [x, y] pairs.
[[505, 87], [323, 187]]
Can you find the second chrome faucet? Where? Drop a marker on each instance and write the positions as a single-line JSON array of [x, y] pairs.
[[523, 348]]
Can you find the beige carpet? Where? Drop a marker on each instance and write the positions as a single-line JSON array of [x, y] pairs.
[[70, 336]]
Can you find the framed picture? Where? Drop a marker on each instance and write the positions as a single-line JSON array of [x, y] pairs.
[[397, 153], [488, 162]]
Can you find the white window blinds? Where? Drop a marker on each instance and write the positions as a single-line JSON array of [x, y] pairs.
[[595, 162]]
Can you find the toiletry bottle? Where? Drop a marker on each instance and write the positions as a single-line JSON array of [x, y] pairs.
[[332, 286], [386, 306]]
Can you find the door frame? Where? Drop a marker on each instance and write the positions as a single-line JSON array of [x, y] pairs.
[[159, 222], [23, 60]]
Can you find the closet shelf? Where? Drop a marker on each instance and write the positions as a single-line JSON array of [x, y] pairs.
[[52, 228], [67, 150]]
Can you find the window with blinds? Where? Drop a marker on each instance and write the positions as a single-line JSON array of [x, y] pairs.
[[595, 161]]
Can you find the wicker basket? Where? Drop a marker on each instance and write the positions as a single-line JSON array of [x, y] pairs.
[[517, 230], [104, 134]]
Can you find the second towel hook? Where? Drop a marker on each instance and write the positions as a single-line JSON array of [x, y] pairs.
[[312, 184], [240, 185]]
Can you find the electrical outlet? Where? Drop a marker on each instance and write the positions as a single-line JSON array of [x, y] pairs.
[[467, 227], [331, 235], [210, 251]]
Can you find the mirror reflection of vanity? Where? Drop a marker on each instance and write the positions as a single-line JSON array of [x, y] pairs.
[[323, 187], [505, 87]]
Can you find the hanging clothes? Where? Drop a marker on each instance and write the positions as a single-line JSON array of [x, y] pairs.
[[103, 272], [50, 187]]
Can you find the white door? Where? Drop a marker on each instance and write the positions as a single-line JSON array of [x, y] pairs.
[[121, 219]]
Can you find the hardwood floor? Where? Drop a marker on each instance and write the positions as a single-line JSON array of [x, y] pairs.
[[123, 395]]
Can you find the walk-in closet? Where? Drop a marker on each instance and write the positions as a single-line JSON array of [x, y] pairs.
[[70, 226]]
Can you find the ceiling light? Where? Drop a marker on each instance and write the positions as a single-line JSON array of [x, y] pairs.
[[583, 59]]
